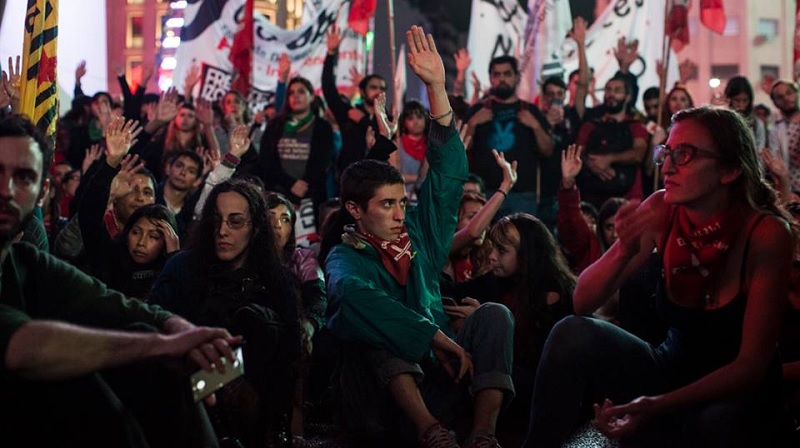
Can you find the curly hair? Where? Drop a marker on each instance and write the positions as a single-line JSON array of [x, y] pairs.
[[262, 257]]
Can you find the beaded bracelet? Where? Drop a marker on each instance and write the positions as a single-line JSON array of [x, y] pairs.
[[439, 117]]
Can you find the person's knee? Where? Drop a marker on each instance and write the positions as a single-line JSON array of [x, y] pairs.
[[495, 312], [573, 334]]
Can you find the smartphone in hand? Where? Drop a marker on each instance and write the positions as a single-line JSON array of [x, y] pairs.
[[206, 383], [449, 301]]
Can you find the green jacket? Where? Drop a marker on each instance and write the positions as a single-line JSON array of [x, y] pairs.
[[36, 285], [365, 303]]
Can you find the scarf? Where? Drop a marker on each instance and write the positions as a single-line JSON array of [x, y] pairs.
[[395, 255], [415, 147], [696, 255], [293, 125]]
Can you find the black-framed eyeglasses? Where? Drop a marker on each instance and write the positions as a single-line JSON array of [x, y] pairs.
[[234, 222], [681, 154]]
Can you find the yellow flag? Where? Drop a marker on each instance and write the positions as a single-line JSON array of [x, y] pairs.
[[39, 91]]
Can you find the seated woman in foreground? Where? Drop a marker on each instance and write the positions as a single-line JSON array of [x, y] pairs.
[[726, 252]]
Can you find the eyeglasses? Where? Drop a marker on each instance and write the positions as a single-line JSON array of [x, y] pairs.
[[681, 154], [234, 222]]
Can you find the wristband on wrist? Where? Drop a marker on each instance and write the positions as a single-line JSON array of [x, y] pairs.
[[505, 195], [231, 161], [439, 117]]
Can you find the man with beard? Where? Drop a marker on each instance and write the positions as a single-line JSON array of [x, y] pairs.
[[615, 146], [353, 121], [784, 136], [60, 329], [513, 127]]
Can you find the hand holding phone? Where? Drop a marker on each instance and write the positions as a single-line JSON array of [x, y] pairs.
[[206, 383], [449, 301]]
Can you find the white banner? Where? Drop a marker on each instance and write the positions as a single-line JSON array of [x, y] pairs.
[[642, 20], [545, 33], [497, 28], [212, 24]]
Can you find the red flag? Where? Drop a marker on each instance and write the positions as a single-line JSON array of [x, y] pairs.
[[797, 34], [360, 13], [241, 55], [677, 25], [712, 14]]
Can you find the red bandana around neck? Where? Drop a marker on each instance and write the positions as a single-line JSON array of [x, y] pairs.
[[415, 147], [696, 255], [396, 254]]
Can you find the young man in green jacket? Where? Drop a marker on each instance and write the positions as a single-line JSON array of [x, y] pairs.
[[384, 293]]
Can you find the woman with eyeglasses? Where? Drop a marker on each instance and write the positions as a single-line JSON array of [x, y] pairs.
[[726, 252], [232, 275]]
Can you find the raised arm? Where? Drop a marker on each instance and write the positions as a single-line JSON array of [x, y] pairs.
[[639, 226], [480, 222], [337, 105], [462, 64], [578, 34]]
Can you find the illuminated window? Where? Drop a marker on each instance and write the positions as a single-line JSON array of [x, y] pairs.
[[135, 2], [135, 38]]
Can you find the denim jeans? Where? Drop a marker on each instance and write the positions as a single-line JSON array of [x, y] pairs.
[[365, 372], [586, 360]]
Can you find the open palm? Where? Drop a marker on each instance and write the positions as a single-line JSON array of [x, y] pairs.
[[423, 58]]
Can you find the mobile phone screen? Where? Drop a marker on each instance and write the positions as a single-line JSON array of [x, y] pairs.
[[206, 383]]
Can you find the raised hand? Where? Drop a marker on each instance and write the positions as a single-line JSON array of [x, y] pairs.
[[626, 53], [774, 164], [119, 138], [571, 164], [92, 154], [578, 31], [211, 158], [334, 39], [80, 71], [423, 58], [284, 67], [118, 69], [386, 127], [122, 184], [204, 112], [191, 79], [12, 80], [631, 223], [240, 140], [355, 76], [299, 188], [5, 95], [509, 170], [462, 60]]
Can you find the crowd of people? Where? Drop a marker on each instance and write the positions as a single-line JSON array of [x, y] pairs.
[[468, 266]]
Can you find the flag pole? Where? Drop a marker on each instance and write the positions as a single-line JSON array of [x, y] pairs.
[[392, 52], [662, 83]]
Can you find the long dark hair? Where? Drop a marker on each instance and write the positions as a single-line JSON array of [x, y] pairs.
[[737, 85], [609, 208], [274, 200], [539, 264], [262, 257]]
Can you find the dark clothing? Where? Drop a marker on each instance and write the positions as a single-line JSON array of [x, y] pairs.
[[354, 145], [584, 354], [92, 199], [505, 134], [274, 174]]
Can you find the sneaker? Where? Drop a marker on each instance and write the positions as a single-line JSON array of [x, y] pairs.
[[437, 436], [483, 441]]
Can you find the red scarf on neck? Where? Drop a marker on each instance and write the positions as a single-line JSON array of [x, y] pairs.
[[696, 255], [396, 254], [415, 147]]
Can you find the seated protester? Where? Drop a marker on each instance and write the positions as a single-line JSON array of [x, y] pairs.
[[414, 123], [190, 129], [82, 136], [178, 191], [475, 215], [234, 111], [474, 184], [615, 147], [529, 276], [232, 275], [384, 301], [139, 252], [120, 181], [727, 250], [739, 93], [310, 284], [296, 148], [70, 363]]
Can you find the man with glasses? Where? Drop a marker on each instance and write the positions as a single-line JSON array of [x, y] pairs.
[[784, 136], [615, 146]]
